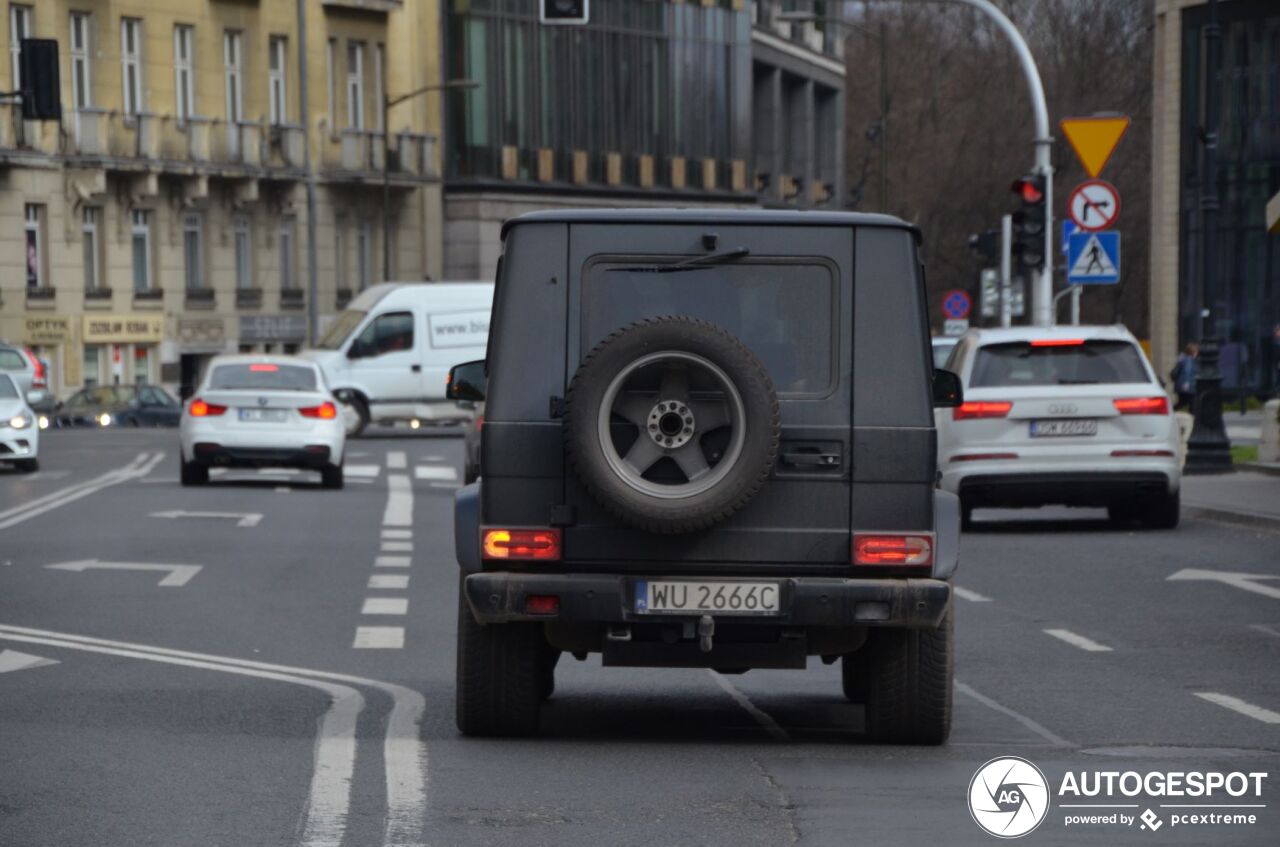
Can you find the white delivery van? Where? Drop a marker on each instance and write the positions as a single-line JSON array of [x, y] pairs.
[[388, 353]]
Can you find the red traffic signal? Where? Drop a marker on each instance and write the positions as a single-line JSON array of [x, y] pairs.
[[1029, 188]]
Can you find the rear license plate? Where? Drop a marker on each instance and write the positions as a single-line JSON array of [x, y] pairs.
[[1076, 426], [721, 598], [264, 415]]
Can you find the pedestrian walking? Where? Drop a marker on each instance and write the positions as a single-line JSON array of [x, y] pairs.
[[1183, 376]]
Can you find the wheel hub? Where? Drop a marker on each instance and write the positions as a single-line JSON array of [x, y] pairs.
[[671, 424]]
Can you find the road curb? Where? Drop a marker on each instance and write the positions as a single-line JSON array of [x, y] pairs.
[[1271, 522], [1259, 467]]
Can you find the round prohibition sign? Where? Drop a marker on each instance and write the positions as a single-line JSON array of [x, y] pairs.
[[1094, 205]]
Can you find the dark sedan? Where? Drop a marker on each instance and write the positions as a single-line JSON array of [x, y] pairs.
[[119, 405]]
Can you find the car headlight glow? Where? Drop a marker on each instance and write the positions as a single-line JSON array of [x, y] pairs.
[[21, 421], [104, 419], [44, 422]]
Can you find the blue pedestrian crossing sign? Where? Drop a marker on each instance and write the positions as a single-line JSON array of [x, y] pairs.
[[1093, 258]]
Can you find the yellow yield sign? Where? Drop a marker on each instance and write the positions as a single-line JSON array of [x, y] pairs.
[[1094, 139]]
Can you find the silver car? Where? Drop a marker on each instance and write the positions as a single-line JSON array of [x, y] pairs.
[[28, 374]]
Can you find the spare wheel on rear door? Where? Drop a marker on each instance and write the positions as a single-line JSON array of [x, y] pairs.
[[672, 424]]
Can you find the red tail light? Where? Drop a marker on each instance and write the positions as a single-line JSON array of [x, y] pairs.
[[200, 409], [542, 604], [914, 550], [981, 409], [1133, 453], [263, 368], [38, 378], [543, 544], [1057, 342], [479, 422], [325, 411], [1142, 405]]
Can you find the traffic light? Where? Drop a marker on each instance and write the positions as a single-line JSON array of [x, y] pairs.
[[987, 245], [1029, 222], [562, 11], [38, 71]]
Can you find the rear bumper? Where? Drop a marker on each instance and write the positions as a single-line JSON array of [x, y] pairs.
[[219, 455], [1076, 488], [499, 597]]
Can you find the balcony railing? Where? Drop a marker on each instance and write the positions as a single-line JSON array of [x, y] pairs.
[[101, 133], [358, 151]]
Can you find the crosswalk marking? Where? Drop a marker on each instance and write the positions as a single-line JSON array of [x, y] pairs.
[[430, 472], [361, 470], [397, 461], [392, 561], [397, 547], [379, 638], [385, 606], [389, 581]]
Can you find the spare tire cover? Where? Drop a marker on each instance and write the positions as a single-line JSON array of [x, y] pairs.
[[672, 424]]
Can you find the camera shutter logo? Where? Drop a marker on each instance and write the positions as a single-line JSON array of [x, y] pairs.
[[1008, 797]]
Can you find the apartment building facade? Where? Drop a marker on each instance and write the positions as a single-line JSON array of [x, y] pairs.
[[166, 218]]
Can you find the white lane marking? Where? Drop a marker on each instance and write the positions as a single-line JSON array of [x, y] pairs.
[[12, 660], [329, 799], [1038, 729], [404, 752], [356, 454], [397, 460], [399, 511], [389, 580], [1235, 704], [366, 471], [1078, 640], [1243, 581], [178, 576], [434, 459], [379, 638], [768, 723], [397, 533], [359, 482], [241, 518], [1269, 630], [397, 547], [138, 468], [971, 596], [429, 472], [445, 484], [393, 561], [385, 606], [46, 475]]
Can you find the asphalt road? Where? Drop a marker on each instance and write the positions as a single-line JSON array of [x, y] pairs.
[[264, 662]]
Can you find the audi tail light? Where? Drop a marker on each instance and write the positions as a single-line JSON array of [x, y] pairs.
[[981, 409], [1142, 405]]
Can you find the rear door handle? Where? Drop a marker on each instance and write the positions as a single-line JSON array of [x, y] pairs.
[[416, 368], [820, 460]]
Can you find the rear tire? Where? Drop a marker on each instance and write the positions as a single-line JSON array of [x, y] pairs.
[[501, 678], [193, 474], [27, 465], [1122, 512], [909, 674], [331, 476], [1162, 511]]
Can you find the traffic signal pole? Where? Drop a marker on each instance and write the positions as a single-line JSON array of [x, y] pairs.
[[1006, 270], [1042, 286]]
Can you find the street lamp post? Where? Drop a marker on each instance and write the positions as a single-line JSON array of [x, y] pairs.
[[387, 103], [1208, 447]]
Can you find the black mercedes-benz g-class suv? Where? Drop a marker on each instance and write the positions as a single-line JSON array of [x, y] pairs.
[[708, 442]]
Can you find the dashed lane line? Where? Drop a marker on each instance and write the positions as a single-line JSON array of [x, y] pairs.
[[397, 547], [397, 533], [1235, 704], [431, 472], [397, 460], [385, 606], [361, 471], [393, 561], [388, 580], [1269, 630], [971, 596], [399, 511], [1080, 641], [379, 638], [404, 752]]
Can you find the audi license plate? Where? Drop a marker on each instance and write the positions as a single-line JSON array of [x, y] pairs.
[[720, 598], [264, 415], [1074, 426]]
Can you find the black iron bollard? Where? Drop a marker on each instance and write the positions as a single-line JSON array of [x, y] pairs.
[[1208, 448]]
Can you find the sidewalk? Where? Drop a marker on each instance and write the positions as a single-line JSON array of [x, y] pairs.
[[1243, 497]]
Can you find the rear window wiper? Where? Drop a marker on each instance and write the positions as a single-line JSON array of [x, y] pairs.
[[695, 263]]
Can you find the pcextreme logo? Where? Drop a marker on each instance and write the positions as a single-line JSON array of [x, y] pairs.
[[1008, 797]]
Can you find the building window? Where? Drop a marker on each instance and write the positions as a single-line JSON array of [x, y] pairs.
[[191, 252], [288, 270], [141, 250], [364, 255], [142, 371], [183, 69], [278, 54], [232, 58], [81, 64], [90, 218], [339, 254], [92, 374], [355, 85], [34, 226], [244, 252], [378, 93], [131, 64], [331, 56], [20, 27]]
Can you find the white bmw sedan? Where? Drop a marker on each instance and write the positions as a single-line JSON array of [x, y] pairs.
[[262, 411], [19, 433], [1069, 415]]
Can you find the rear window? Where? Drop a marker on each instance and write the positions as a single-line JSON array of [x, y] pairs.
[[12, 360], [1093, 362], [783, 311], [263, 377]]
